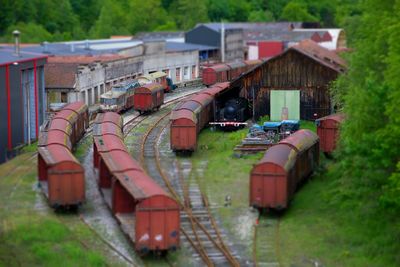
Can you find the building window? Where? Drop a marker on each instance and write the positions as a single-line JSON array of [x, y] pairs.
[[83, 96], [194, 72], [64, 97], [96, 94], [102, 88], [90, 97], [178, 74], [186, 73]]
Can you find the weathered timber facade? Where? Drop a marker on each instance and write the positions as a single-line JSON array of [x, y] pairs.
[[307, 68]]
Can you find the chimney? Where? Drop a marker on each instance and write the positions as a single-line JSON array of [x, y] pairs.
[[16, 35], [45, 45], [87, 44]]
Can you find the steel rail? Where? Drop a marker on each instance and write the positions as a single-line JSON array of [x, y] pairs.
[[223, 249]]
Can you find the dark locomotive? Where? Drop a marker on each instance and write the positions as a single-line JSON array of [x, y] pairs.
[[234, 113]]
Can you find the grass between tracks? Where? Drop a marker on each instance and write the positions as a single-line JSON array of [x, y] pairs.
[[315, 229], [31, 234]]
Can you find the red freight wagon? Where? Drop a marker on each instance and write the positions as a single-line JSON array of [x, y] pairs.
[[72, 118], [54, 137], [147, 214], [215, 74], [183, 130], [275, 178], [148, 97], [237, 68], [105, 143], [109, 117], [152, 216], [61, 176], [191, 116], [107, 128], [82, 110], [328, 131], [116, 160]]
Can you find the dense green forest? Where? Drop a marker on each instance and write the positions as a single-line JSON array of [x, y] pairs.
[[57, 20]]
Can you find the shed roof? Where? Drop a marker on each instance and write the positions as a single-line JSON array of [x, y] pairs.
[[61, 76], [320, 54], [7, 56]]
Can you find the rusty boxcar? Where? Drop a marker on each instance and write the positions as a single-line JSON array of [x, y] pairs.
[[148, 97], [191, 116], [148, 216], [225, 72], [275, 178], [60, 175], [328, 131]]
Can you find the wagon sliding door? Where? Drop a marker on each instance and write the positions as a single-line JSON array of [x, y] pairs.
[[285, 105]]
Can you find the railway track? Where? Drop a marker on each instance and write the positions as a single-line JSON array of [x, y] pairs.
[[197, 223], [97, 216], [270, 241]]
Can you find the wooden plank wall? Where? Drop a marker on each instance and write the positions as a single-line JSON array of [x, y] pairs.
[[290, 71]]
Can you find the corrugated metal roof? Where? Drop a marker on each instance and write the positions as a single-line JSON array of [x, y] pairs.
[[7, 56], [321, 54], [177, 46], [60, 76], [216, 26]]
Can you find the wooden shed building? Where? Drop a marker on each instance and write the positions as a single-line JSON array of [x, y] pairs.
[[294, 84]]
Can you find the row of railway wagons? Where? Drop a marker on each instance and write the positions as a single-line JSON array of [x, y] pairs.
[[147, 214], [129, 94], [275, 178], [61, 176], [225, 72], [190, 116]]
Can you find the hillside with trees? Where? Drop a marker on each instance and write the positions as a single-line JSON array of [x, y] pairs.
[[61, 20]]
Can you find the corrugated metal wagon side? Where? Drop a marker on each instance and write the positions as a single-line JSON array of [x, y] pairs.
[[61, 176], [183, 136], [148, 97], [328, 131]]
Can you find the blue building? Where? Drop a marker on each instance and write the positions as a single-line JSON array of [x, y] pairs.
[[22, 99]]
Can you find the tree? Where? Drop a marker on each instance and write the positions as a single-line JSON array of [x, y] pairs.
[[189, 12], [30, 33], [261, 16], [294, 11], [111, 21], [145, 15]]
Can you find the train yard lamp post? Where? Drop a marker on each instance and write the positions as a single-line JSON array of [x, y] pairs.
[[254, 103]]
